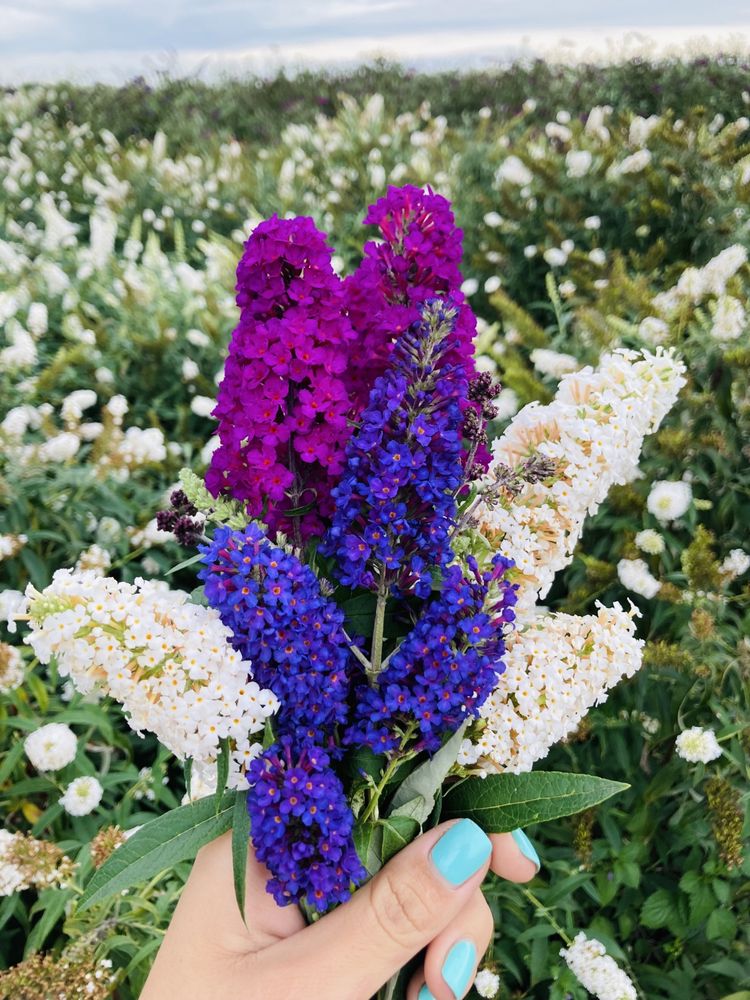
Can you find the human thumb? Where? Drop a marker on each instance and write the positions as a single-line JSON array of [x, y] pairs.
[[350, 953]]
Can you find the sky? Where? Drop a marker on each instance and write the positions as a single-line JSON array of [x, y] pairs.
[[113, 40]]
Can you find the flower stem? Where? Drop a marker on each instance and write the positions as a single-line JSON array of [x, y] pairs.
[[541, 908], [398, 758], [387, 774], [376, 655]]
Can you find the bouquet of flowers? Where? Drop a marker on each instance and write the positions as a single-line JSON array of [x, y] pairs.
[[364, 654]]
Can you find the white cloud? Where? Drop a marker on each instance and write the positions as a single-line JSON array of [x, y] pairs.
[[17, 22], [425, 49]]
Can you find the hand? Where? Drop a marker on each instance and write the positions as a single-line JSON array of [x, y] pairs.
[[427, 897]]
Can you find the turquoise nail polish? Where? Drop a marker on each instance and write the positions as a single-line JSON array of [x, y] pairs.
[[425, 993], [461, 851], [526, 847], [458, 967]]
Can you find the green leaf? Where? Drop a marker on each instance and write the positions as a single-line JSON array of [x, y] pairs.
[[8, 907], [721, 924], [11, 759], [629, 872], [362, 759], [222, 771], [176, 836], [368, 842], [54, 907], [415, 798], [37, 568], [38, 689], [240, 845], [48, 817], [729, 968], [140, 955], [299, 511], [702, 903], [690, 881], [185, 563], [268, 734], [398, 831], [198, 596], [360, 612], [659, 909], [500, 803]]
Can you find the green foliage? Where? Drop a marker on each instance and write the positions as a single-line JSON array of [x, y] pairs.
[[159, 845], [658, 873], [500, 803]]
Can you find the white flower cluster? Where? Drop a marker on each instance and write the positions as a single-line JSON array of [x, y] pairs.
[[74, 405], [695, 283], [95, 559], [149, 535], [119, 452], [135, 447], [553, 363], [589, 962], [26, 861], [12, 878], [669, 500], [729, 319], [515, 171], [82, 796], [650, 541], [487, 983], [168, 662], [51, 747], [556, 669], [21, 349], [593, 430], [632, 164], [736, 563], [635, 575], [12, 603], [11, 668], [11, 545], [698, 746]]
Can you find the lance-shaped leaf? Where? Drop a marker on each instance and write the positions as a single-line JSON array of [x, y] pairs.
[[398, 831], [368, 842], [159, 845], [240, 847], [415, 798], [503, 802]]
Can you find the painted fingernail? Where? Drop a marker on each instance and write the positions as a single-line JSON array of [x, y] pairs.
[[426, 993], [458, 967], [461, 851], [526, 848]]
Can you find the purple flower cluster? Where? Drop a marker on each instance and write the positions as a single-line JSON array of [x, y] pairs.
[[283, 405], [448, 665], [350, 412], [302, 826], [396, 501], [417, 259], [283, 624]]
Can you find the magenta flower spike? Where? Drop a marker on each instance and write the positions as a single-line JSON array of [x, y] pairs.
[[283, 405]]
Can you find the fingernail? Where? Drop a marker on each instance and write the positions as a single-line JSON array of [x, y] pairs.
[[458, 967], [461, 851], [526, 848], [426, 993]]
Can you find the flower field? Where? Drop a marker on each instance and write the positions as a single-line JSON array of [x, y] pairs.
[[600, 210]]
